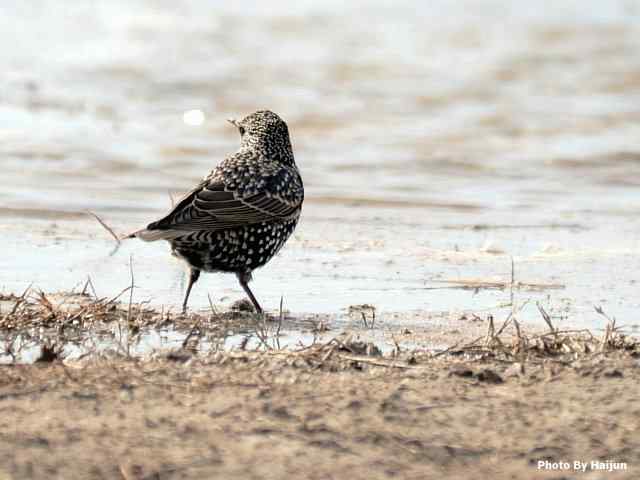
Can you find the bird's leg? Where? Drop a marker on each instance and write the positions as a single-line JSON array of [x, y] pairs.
[[194, 274], [244, 278]]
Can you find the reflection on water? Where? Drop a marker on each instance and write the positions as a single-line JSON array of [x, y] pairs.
[[154, 342], [407, 120]]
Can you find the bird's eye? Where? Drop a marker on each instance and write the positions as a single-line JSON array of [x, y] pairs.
[[241, 129]]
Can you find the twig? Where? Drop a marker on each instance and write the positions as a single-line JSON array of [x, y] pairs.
[[87, 284], [513, 280], [194, 329], [522, 345], [326, 356], [506, 322], [600, 311], [369, 325], [20, 299], [396, 351], [518, 333], [451, 348], [262, 331], [131, 289], [546, 317], [105, 226], [610, 328], [213, 310], [125, 290], [279, 323], [45, 302], [378, 363], [245, 341], [491, 331]]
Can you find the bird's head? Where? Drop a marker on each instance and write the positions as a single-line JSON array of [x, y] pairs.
[[266, 131]]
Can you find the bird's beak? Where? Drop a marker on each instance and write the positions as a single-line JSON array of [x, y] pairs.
[[233, 122]]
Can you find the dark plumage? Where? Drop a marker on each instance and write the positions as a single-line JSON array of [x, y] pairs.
[[240, 215]]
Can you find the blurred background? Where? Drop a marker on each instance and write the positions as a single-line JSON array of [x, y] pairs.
[[437, 141]]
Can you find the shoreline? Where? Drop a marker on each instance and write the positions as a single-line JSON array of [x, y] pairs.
[[81, 324]]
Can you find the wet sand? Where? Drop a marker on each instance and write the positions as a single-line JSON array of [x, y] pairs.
[[85, 394], [268, 415]]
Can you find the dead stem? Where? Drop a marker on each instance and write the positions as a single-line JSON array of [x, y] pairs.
[[513, 281], [280, 318], [105, 226], [546, 317], [195, 329], [131, 286], [87, 284], [213, 310]]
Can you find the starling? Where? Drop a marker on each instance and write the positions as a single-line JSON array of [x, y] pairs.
[[241, 214]]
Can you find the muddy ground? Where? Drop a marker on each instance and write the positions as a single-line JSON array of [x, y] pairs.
[[327, 415], [338, 407]]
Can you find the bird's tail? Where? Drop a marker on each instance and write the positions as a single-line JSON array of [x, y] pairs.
[[147, 235]]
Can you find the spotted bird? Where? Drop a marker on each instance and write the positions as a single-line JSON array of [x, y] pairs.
[[241, 214]]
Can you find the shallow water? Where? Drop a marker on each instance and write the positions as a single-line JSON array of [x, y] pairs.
[[411, 126]]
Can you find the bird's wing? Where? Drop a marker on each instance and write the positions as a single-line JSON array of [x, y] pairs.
[[225, 200]]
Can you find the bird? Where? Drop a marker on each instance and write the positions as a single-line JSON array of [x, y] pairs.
[[241, 214]]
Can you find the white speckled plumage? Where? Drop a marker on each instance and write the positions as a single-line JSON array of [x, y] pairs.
[[241, 214]]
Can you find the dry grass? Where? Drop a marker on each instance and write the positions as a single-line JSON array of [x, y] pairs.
[[511, 344], [51, 321]]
